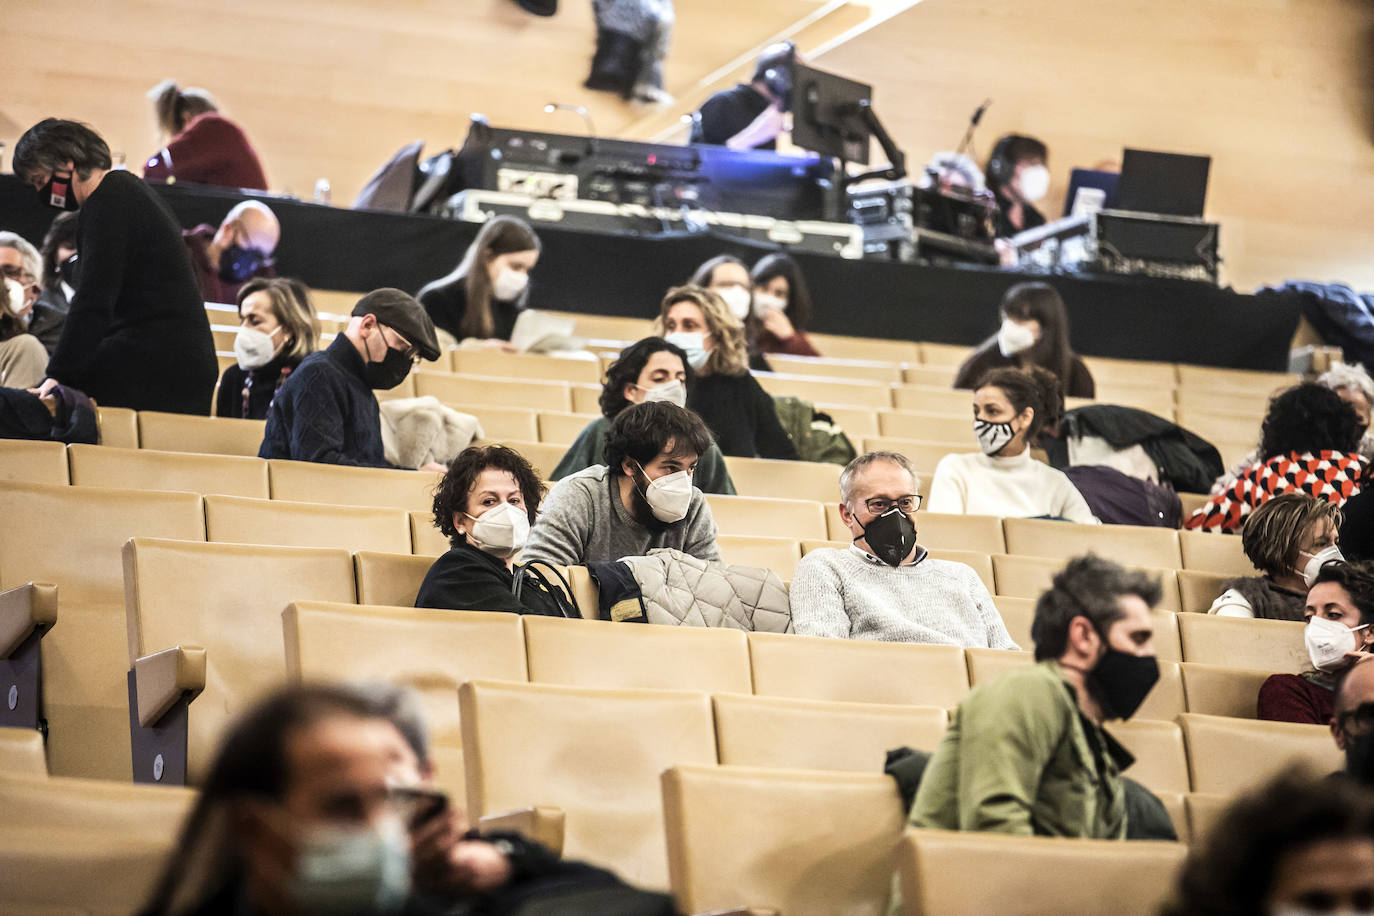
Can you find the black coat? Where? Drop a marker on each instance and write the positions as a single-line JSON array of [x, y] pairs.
[[266, 381], [741, 416], [468, 579], [987, 357], [1185, 460], [447, 303]]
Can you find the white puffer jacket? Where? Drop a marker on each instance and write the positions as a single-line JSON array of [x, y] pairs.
[[681, 590]]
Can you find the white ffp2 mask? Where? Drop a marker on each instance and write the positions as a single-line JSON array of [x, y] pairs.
[[500, 531], [765, 301], [673, 392], [1013, 338], [253, 348], [1034, 182], [738, 299], [509, 284], [1328, 642], [1317, 560], [669, 496]]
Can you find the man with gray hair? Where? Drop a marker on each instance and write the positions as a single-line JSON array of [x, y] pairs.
[[238, 250], [23, 359], [885, 586]]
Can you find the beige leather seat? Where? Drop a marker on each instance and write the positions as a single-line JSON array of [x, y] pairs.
[[1228, 755], [118, 427], [857, 422], [176, 432], [871, 370], [389, 579], [1220, 691], [945, 872], [933, 399], [21, 753], [1244, 380], [425, 539], [598, 757], [986, 665], [1203, 810], [795, 842], [1253, 404], [1273, 645], [980, 563], [1197, 590], [429, 651], [145, 469], [1215, 553], [542, 456], [280, 523], [599, 653], [1027, 577], [1132, 545], [858, 392], [1019, 613], [761, 516], [1220, 425], [558, 427], [942, 354], [337, 485], [498, 423], [1156, 401], [841, 346], [820, 734], [607, 327], [923, 454], [928, 427], [857, 670], [495, 364], [71, 536], [1132, 372], [1191, 502], [785, 479], [933, 376], [775, 553], [1161, 763], [499, 392], [585, 399], [22, 461], [205, 621]]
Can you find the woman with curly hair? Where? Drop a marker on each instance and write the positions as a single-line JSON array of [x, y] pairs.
[[1309, 444], [485, 506]]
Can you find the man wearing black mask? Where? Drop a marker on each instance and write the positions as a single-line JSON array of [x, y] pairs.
[[238, 250], [1352, 722], [885, 586], [326, 411]]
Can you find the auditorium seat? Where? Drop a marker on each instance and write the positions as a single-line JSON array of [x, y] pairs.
[[1131, 545], [425, 539], [177, 432], [928, 427], [1110, 372], [21, 753], [558, 427], [869, 370], [1252, 404], [428, 651], [1234, 451], [1217, 426], [798, 842], [1272, 645], [1159, 402], [981, 563], [1191, 502], [986, 665], [1212, 378], [886, 349], [146, 469], [1026, 577], [606, 327], [536, 394], [1161, 763], [404, 390], [820, 734], [767, 517], [785, 479], [22, 461], [1203, 810], [856, 422], [1216, 690], [389, 579], [923, 455], [280, 523], [585, 399], [118, 427], [519, 423], [598, 758], [71, 536], [1215, 553], [205, 620], [945, 872], [1197, 590], [857, 670], [933, 399], [934, 376], [778, 554], [857, 392], [542, 456], [340, 485], [1228, 755], [1018, 614], [943, 354], [529, 366], [599, 653]]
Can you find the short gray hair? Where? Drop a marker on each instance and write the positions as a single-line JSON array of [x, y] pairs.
[[860, 463], [33, 262], [1348, 375]]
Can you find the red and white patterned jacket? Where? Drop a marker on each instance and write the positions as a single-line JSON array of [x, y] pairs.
[[1332, 476]]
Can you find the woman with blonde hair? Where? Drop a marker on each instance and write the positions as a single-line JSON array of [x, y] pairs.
[[739, 412], [277, 329], [203, 145], [485, 293]]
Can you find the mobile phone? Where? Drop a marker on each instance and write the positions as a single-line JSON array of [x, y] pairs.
[[419, 805]]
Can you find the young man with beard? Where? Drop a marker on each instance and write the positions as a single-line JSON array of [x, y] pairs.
[[640, 499]]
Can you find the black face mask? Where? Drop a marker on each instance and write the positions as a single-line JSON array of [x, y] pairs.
[[1359, 758], [57, 193], [70, 271], [891, 536], [390, 372], [237, 263], [1122, 681]]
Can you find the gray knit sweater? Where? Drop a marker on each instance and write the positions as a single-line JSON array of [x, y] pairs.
[[846, 593], [583, 521]]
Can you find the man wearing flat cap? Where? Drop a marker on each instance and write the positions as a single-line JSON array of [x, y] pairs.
[[326, 410]]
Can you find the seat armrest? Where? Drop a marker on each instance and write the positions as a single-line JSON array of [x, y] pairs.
[[165, 677], [542, 824], [24, 609]]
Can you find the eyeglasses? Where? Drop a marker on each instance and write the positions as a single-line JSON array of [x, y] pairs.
[[908, 504], [410, 351]]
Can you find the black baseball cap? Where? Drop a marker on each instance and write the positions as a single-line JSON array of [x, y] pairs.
[[399, 311]]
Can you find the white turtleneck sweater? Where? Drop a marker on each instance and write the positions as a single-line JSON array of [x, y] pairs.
[[1020, 487]]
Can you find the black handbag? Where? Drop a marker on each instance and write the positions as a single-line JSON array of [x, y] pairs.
[[534, 588]]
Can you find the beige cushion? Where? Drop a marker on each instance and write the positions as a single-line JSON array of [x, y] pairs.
[[1221, 691], [22, 461], [339, 485], [281, 523], [1228, 755], [1161, 764], [176, 432], [1213, 552], [143, 469], [1131, 545], [1234, 642], [750, 515], [857, 670], [784, 479], [389, 579]]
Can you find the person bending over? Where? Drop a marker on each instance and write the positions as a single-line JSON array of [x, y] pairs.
[[641, 499], [1034, 332], [239, 250], [485, 506], [885, 586], [486, 291], [650, 370], [1287, 539], [277, 329], [326, 411], [136, 334], [203, 146]]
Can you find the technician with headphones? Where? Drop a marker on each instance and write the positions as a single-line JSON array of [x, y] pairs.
[[1017, 174], [750, 116]]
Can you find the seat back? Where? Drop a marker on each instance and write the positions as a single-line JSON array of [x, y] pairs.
[[778, 554], [278, 522], [498, 392], [389, 579], [923, 454], [1197, 590], [927, 427], [1228, 755], [337, 485], [832, 367], [1027, 577], [1019, 613], [118, 427], [22, 461], [178, 432], [499, 423], [429, 651], [1161, 763], [858, 392], [1215, 553], [71, 537], [425, 539], [495, 364], [932, 399], [1203, 810], [859, 671], [227, 599], [598, 757], [1272, 645], [144, 469], [820, 734], [21, 753], [785, 479], [1215, 690], [980, 563], [557, 427], [542, 456], [962, 872], [761, 516], [1244, 380], [1132, 545], [795, 842]]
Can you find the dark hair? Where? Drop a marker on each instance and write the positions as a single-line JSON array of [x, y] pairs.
[[1035, 388], [627, 367], [1008, 151], [1040, 302], [702, 275], [777, 264], [1357, 526], [641, 432], [61, 232], [1087, 587], [1358, 581], [452, 493], [1232, 869], [49, 144], [1271, 534], [1308, 418], [778, 54], [498, 235]]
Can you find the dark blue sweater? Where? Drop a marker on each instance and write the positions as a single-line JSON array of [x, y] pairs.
[[326, 412]]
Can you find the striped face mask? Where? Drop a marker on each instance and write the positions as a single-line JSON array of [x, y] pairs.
[[992, 437]]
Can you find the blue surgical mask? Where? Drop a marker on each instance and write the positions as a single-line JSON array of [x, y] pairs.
[[352, 871], [693, 344]]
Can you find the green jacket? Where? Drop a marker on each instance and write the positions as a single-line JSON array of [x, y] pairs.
[[590, 448]]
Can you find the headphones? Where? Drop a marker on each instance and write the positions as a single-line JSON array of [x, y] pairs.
[[775, 69], [1000, 164]]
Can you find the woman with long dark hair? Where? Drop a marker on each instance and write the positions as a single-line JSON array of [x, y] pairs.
[[782, 307], [484, 294], [1034, 332]]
